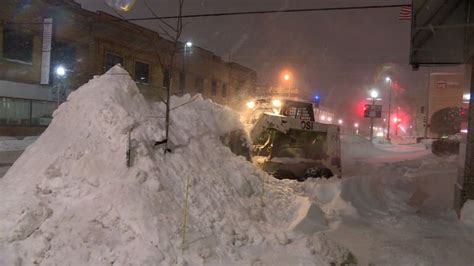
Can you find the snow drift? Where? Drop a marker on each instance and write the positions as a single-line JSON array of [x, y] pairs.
[[70, 199]]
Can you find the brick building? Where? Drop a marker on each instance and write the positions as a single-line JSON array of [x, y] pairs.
[[38, 37]]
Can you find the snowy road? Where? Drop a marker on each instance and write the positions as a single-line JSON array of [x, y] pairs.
[[397, 209]]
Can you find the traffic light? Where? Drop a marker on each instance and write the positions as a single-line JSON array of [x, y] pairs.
[[367, 110]]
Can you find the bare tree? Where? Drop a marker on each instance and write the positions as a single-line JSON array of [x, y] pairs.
[[172, 33]]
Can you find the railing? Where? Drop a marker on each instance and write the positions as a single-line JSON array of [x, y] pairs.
[[25, 112]]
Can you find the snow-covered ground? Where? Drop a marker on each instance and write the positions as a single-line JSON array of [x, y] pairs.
[[70, 198], [395, 207]]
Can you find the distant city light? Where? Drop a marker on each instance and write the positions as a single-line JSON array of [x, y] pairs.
[[466, 97], [323, 117], [329, 119], [189, 44], [387, 79], [316, 97], [276, 103], [463, 130], [251, 104], [122, 5], [60, 71], [286, 77], [339, 121], [356, 125]]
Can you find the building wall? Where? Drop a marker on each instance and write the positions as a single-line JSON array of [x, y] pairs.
[[91, 36]]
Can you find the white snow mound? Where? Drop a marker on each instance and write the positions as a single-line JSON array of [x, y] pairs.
[[70, 199]]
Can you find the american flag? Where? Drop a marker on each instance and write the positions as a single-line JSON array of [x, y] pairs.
[[405, 13]]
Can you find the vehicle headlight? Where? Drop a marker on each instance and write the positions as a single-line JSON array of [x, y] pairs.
[[276, 103], [250, 104]]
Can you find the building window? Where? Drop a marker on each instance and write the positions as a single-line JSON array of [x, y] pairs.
[[182, 82], [166, 78], [224, 90], [17, 45], [111, 60], [214, 88], [199, 85], [142, 72], [25, 112]]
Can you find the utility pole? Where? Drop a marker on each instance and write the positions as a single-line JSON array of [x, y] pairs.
[[389, 105], [372, 123]]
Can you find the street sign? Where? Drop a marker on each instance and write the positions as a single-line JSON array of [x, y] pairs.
[[373, 111]]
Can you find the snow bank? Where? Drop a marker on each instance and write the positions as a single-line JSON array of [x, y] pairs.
[[70, 199], [357, 147], [467, 213]]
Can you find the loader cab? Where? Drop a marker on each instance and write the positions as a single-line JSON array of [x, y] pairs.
[[288, 108]]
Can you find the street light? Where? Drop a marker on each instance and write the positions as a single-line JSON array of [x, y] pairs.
[[188, 44], [60, 71], [373, 94], [389, 81], [287, 78], [339, 121]]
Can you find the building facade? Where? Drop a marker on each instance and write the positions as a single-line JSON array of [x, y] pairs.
[[50, 47]]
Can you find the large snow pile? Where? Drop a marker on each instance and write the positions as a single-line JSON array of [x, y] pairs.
[[70, 199]]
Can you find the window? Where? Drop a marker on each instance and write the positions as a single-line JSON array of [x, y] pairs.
[[17, 45], [224, 90], [182, 82], [111, 60], [214, 88], [42, 112], [166, 78], [199, 85], [142, 72], [25, 112], [14, 111]]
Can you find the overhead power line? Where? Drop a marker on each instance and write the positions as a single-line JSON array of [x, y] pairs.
[[272, 12], [241, 13]]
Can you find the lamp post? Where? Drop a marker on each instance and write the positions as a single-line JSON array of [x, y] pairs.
[[188, 44], [287, 78], [373, 95], [60, 73], [389, 81]]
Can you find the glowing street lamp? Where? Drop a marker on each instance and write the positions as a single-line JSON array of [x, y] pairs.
[[374, 94], [356, 125], [286, 77], [189, 44], [60, 71], [339, 121]]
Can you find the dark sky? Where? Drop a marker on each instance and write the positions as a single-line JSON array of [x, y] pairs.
[[339, 54]]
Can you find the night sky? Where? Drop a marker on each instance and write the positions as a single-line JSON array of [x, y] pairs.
[[338, 54]]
